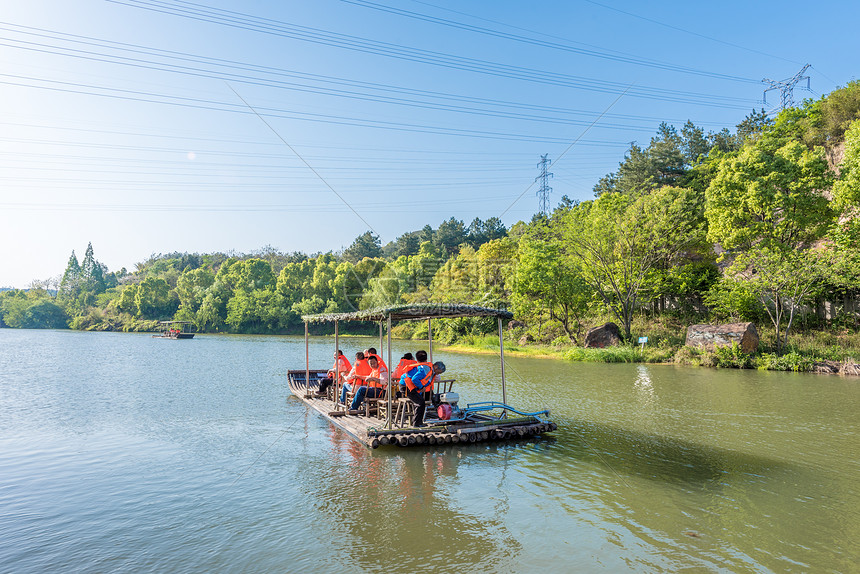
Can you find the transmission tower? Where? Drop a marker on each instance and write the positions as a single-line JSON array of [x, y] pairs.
[[544, 190], [786, 87]]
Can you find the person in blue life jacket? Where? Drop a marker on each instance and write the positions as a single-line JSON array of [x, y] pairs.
[[418, 380]]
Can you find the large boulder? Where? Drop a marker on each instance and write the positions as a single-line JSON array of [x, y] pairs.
[[607, 335], [710, 336], [525, 340]]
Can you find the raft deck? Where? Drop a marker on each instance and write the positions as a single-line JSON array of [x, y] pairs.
[[372, 432]]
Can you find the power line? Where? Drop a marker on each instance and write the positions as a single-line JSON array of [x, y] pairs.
[[593, 51], [310, 167], [238, 20], [226, 70], [673, 27]]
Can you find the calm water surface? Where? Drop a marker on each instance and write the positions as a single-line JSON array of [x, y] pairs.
[[124, 453]]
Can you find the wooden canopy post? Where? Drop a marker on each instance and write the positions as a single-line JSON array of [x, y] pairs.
[[336, 368], [388, 418], [307, 362], [430, 340], [502, 355], [380, 337]]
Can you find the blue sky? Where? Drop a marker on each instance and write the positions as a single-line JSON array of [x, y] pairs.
[[152, 126]]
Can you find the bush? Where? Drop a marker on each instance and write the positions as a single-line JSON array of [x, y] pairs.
[[792, 361], [732, 357]]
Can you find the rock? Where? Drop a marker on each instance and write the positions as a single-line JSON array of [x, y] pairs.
[[850, 369], [709, 336], [607, 335], [525, 340], [826, 367], [516, 325]]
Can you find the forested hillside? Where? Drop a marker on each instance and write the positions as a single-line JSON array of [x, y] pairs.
[[757, 224]]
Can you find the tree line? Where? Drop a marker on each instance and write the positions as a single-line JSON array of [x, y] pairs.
[[756, 224]]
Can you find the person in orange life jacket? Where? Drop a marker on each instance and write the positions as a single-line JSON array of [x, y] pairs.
[[406, 361], [345, 367], [419, 380], [376, 383], [372, 352], [355, 378]]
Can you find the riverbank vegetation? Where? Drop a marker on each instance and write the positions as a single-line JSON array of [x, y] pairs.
[[759, 224]]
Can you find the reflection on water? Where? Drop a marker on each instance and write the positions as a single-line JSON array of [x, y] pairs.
[[123, 453]]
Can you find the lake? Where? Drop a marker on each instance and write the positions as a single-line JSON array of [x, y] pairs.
[[124, 453]]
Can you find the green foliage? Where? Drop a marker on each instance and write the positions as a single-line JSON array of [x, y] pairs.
[[153, 299], [735, 301], [732, 357], [825, 121], [846, 190], [619, 354], [621, 243], [450, 235], [548, 278], [791, 361], [769, 195], [31, 310], [365, 245]]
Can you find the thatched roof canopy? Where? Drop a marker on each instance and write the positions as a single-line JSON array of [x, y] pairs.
[[412, 312]]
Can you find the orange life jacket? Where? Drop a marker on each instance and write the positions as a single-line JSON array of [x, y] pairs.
[[403, 366], [345, 367], [379, 360], [374, 373], [362, 369], [427, 381]]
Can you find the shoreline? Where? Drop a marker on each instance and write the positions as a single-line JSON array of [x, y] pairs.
[[815, 366]]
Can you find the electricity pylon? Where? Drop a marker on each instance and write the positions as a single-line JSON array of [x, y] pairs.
[[786, 87], [544, 190]]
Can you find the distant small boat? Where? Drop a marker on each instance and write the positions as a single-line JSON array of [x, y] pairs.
[[174, 330]]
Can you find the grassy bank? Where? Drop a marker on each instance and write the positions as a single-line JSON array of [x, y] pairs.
[[806, 351]]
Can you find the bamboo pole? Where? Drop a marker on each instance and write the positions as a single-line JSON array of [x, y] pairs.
[[430, 340], [336, 367], [307, 362], [388, 421], [502, 355]]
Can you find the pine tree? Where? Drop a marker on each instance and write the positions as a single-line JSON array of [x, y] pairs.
[[92, 276], [70, 286]]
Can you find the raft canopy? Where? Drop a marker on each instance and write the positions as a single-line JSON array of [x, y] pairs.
[[412, 312]]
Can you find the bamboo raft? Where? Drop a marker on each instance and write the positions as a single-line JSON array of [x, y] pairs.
[[373, 432], [383, 422]]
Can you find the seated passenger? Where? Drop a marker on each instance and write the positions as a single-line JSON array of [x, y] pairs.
[[406, 361], [345, 367], [371, 352], [418, 380], [376, 384], [360, 370]]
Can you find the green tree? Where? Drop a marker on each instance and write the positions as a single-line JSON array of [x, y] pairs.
[[191, 290], [450, 235], [127, 302], [769, 195], [70, 285], [423, 266], [846, 190], [765, 207], [92, 273], [153, 299], [548, 276], [365, 245], [620, 243]]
